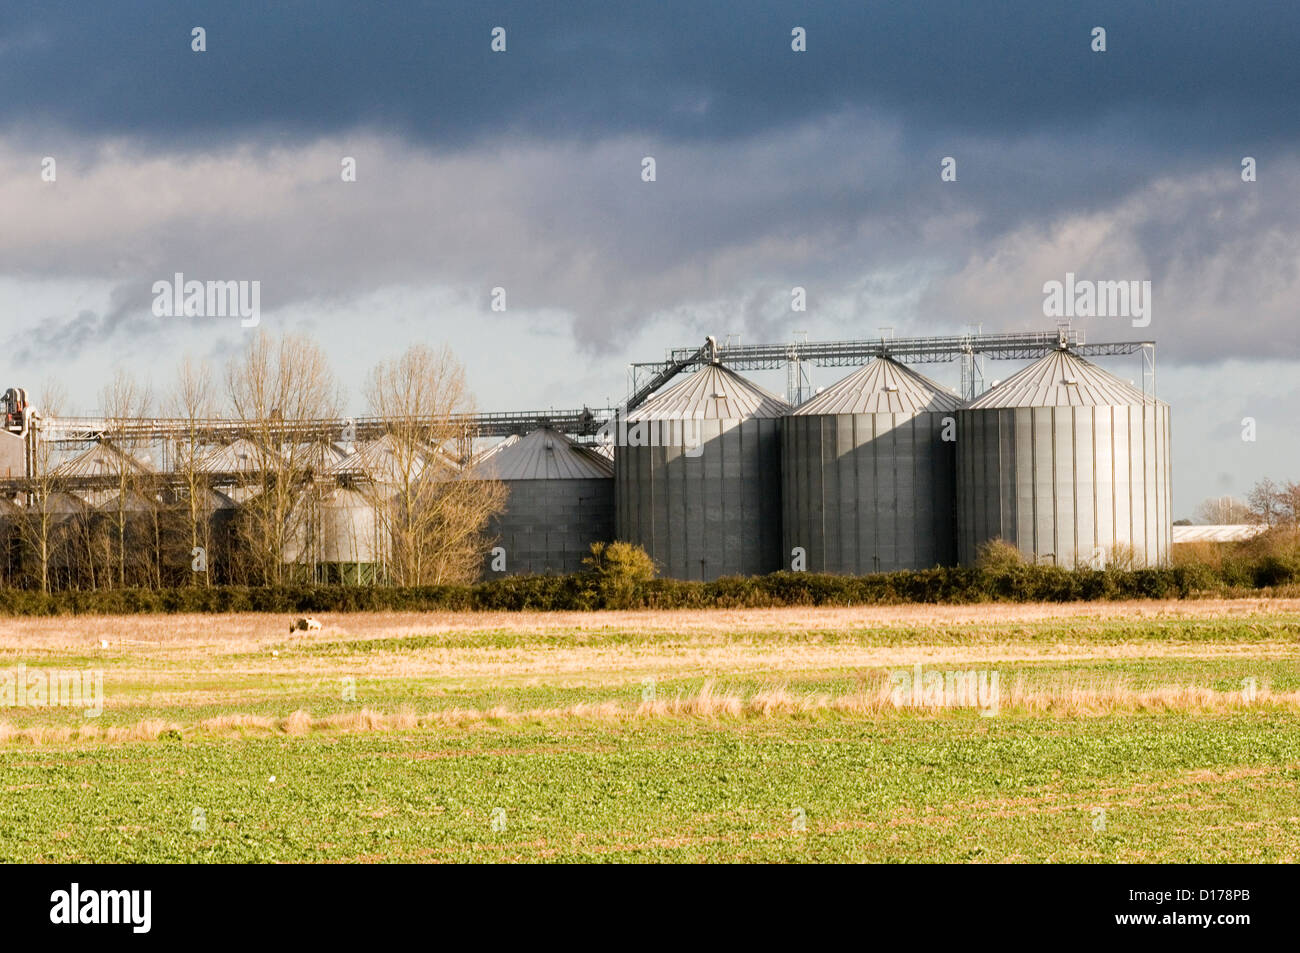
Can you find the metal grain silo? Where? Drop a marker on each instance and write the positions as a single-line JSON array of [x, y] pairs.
[[868, 478], [1068, 463], [107, 468], [560, 501], [697, 476], [235, 465], [351, 536], [62, 528]]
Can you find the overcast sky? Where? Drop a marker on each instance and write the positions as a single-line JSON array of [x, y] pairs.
[[774, 168]]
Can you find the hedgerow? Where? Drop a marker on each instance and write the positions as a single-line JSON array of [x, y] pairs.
[[588, 591]]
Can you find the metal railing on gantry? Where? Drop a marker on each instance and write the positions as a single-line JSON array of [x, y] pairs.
[[648, 377]]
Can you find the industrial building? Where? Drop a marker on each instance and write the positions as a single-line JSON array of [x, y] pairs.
[[711, 473]]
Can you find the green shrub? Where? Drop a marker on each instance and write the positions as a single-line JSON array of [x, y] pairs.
[[618, 570], [997, 555]]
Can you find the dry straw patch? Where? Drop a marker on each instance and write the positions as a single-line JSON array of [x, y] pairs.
[[708, 704]]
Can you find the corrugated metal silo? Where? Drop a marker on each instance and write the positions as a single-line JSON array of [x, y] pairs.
[[868, 478], [335, 531], [393, 461], [236, 465], [697, 475], [561, 500], [107, 464], [351, 536], [68, 519], [1067, 462]]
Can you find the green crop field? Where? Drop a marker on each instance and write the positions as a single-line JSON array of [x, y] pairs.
[[1134, 732]]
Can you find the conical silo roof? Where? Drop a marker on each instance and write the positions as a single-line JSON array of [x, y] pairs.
[[129, 502], [882, 387], [712, 393], [1060, 379], [102, 459], [387, 460], [216, 500], [66, 504], [319, 455], [240, 456], [544, 454]]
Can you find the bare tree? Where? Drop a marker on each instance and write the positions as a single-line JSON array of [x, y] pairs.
[[1263, 500], [1288, 503], [38, 523], [193, 401], [1224, 510], [434, 520], [124, 402], [273, 387]]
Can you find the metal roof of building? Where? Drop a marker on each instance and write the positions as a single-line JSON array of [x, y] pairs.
[[544, 454], [712, 393], [102, 459], [1223, 533], [882, 387], [1060, 379]]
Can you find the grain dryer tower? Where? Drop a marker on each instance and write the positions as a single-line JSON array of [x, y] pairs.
[[1067, 462], [868, 475], [697, 476]]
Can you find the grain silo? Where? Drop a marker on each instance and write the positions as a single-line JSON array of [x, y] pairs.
[[351, 535], [207, 520], [60, 536], [697, 476], [867, 474], [394, 461], [105, 466], [127, 530], [240, 456], [334, 533], [1068, 463], [315, 458], [237, 465], [560, 500]]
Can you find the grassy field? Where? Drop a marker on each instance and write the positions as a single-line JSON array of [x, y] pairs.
[[1130, 732]]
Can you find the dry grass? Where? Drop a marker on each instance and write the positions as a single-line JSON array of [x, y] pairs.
[[266, 681], [708, 703]]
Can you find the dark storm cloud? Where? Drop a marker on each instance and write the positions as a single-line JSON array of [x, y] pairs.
[[1196, 76], [775, 169]]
